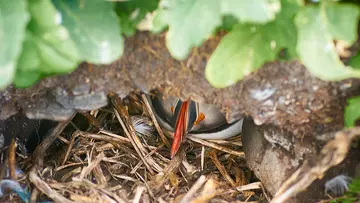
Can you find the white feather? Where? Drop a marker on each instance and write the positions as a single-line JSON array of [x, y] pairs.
[[143, 126], [338, 185]]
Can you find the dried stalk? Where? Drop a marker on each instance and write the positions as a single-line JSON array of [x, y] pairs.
[[197, 185], [216, 146], [152, 116], [11, 160], [221, 168], [125, 121]]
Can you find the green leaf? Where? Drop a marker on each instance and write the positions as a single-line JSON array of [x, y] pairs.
[[29, 60], [28, 71], [190, 23], [354, 187], [317, 27], [25, 79], [352, 112], [94, 27], [247, 47], [159, 21], [57, 51], [239, 53], [13, 20], [48, 48], [248, 11], [132, 12], [355, 61], [228, 22], [260, 11]]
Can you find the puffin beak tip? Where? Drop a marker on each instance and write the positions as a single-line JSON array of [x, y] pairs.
[[172, 154], [176, 145], [180, 129]]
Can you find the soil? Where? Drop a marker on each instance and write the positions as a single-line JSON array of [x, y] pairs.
[[281, 93]]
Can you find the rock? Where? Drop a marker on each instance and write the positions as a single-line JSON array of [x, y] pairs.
[[274, 155]]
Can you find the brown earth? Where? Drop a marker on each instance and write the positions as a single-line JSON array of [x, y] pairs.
[[282, 93]]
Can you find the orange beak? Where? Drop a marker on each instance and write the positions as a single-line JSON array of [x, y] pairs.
[[180, 128]]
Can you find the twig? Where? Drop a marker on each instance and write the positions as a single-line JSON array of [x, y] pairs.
[[227, 142], [46, 189], [73, 137], [333, 153], [136, 147], [197, 185], [146, 184], [250, 186], [33, 196], [106, 137], [91, 185], [62, 139], [208, 193], [264, 192], [138, 193], [163, 176], [124, 177], [151, 153], [202, 157], [152, 116], [91, 119], [215, 146], [221, 167], [69, 165], [241, 180], [99, 175], [122, 115], [118, 137], [12, 159], [91, 166]]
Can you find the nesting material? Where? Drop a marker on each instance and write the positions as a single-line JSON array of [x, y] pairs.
[[116, 154]]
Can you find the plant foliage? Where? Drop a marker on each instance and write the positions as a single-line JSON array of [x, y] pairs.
[[352, 112], [318, 26], [41, 38]]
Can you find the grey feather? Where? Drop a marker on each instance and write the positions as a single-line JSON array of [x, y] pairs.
[[338, 185]]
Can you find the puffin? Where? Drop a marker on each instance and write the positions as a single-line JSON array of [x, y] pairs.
[[200, 120]]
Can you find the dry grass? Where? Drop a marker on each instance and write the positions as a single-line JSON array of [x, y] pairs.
[[100, 156]]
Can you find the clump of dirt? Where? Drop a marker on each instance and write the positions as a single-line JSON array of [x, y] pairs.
[[281, 93]]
